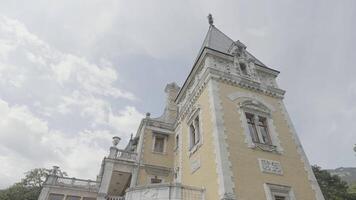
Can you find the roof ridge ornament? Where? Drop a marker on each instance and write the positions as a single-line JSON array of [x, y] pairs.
[[211, 20]]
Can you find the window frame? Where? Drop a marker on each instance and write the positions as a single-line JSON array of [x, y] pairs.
[[253, 105], [243, 67], [198, 136], [258, 135], [68, 197], [161, 136], [55, 194], [273, 190]]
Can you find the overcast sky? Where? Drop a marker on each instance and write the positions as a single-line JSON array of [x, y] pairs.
[[75, 73]]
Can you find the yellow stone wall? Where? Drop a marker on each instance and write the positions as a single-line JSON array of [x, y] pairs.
[[248, 177], [157, 159], [206, 176]]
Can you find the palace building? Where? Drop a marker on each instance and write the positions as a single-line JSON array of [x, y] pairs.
[[225, 134]]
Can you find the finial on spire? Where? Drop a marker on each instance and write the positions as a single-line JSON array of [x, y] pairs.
[[211, 20]]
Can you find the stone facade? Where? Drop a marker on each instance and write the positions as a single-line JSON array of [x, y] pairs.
[[224, 135]]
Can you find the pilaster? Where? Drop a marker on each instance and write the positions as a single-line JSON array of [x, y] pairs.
[[223, 164]]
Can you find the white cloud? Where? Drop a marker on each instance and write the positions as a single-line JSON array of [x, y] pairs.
[[27, 142], [56, 108]]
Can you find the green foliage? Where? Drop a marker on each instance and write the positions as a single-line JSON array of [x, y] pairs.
[[333, 187], [19, 192], [352, 188], [29, 188]]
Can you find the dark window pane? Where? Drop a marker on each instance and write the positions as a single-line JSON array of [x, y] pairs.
[[73, 198], [253, 132], [252, 127], [56, 197], [197, 133], [156, 180], [279, 198], [159, 144], [262, 124], [192, 136]]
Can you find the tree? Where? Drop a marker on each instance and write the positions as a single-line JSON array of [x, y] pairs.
[[29, 188], [333, 187]]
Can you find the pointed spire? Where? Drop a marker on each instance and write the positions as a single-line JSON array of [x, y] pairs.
[[211, 20]]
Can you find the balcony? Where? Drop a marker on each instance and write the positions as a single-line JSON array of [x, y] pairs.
[[87, 185], [125, 155], [63, 186]]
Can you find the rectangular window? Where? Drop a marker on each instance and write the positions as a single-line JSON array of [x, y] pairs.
[[156, 180], [177, 141], [159, 144], [258, 129], [56, 197], [194, 132], [252, 127], [279, 198], [73, 198], [197, 128], [262, 125], [279, 192]]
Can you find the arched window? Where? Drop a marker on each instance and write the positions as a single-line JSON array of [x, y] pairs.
[[243, 68], [194, 130]]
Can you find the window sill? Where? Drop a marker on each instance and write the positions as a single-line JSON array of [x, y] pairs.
[[265, 147], [194, 148], [159, 153]]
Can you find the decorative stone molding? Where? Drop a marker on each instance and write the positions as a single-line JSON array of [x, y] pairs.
[[192, 115], [280, 190], [223, 164], [254, 104], [253, 97], [311, 177], [220, 68], [157, 171], [194, 165], [270, 166]]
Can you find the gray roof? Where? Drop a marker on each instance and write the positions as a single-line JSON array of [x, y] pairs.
[[217, 40]]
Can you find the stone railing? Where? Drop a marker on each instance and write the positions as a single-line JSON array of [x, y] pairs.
[[115, 198], [165, 191], [126, 155], [76, 183]]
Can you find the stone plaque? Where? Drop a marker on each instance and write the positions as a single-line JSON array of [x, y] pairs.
[[270, 166]]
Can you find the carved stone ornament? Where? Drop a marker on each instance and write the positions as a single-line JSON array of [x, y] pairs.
[[270, 166]]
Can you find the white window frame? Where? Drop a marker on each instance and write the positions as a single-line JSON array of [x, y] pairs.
[[273, 190], [255, 107], [165, 138], [256, 118], [198, 131]]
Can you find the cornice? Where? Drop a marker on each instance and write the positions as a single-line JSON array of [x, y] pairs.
[[207, 73]]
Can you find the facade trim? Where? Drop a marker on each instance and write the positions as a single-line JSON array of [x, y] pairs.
[[223, 164]]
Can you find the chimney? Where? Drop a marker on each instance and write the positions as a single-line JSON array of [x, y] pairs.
[[171, 109]]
